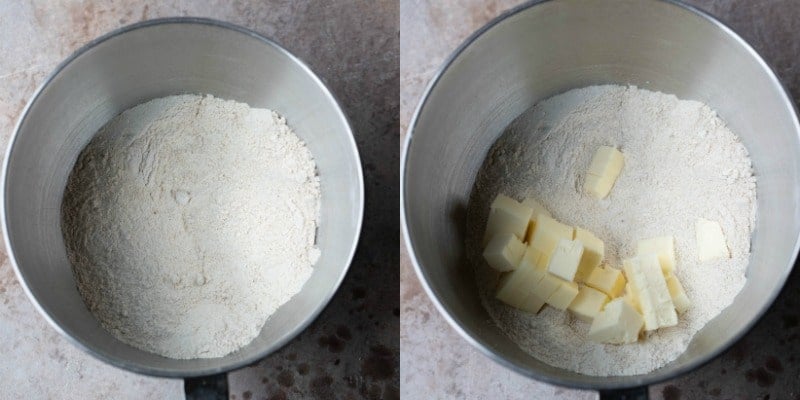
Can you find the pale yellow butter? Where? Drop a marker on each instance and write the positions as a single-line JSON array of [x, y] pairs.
[[593, 252], [542, 291], [597, 186], [678, 295], [603, 171], [631, 297], [606, 160], [546, 236], [537, 208], [504, 252], [563, 296], [547, 286], [610, 281], [515, 287], [565, 259], [617, 323], [588, 303], [507, 216], [710, 240], [664, 247], [533, 303], [647, 280]]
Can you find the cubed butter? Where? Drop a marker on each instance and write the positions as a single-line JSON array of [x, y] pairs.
[[563, 296], [593, 253], [531, 258], [537, 208], [606, 160], [607, 280], [663, 247], [597, 186], [546, 236], [678, 295], [516, 286], [603, 171], [632, 298], [647, 280], [547, 286], [565, 259], [617, 323], [710, 240], [507, 216], [588, 303], [504, 252], [533, 304]]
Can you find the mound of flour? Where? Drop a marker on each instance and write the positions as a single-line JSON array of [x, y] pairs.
[[681, 163], [188, 221]]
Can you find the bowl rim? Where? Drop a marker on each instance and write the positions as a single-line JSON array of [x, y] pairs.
[[628, 381], [256, 356]]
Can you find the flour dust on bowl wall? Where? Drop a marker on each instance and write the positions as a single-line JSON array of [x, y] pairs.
[[182, 218], [595, 193], [188, 221]]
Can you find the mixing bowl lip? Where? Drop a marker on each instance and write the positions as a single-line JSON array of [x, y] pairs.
[[177, 373], [602, 384]]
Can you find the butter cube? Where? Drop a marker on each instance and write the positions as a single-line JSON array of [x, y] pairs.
[[647, 280], [537, 208], [603, 171], [542, 291], [593, 252], [533, 304], [547, 286], [531, 259], [563, 296], [632, 298], [606, 160], [678, 295], [598, 187], [617, 323], [663, 247], [515, 287], [588, 303], [607, 280], [504, 252], [710, 240], [507, 216], [565, 259], [546, 236]]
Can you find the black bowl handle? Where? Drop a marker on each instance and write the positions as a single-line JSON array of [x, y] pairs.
[[212, 387], [637, 393]]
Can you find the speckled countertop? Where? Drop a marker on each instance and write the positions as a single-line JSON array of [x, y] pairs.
[[352, 348], [437, 363]]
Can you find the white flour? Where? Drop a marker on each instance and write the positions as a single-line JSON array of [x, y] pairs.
[[681, 163], [188, 221]]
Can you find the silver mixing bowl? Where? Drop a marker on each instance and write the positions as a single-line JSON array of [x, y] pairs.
[[538, 50], [133, 65]]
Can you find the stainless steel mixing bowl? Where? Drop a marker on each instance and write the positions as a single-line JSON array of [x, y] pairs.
[[541, 49], [130, 66]]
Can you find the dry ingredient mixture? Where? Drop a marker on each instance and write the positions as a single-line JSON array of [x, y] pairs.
[[188, 221], [681, 164]]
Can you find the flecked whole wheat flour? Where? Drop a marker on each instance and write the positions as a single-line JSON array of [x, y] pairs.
[[188, 221], [681, 163]]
